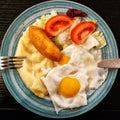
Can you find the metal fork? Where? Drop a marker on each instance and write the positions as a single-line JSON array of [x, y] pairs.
[[11, 62]]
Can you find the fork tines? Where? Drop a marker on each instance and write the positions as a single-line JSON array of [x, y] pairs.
[[11, 62]]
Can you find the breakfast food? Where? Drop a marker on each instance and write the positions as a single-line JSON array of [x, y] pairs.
[[62, 56]]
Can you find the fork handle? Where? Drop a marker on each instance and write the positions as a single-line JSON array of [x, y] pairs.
[[110, 63]]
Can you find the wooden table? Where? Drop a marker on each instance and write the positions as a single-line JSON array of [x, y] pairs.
[[109, 10]]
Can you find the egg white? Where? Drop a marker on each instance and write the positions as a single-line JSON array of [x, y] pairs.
[[82, 66], [53, 79]]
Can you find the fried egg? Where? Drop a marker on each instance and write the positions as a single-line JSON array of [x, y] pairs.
[[67, 86], [71, 78]]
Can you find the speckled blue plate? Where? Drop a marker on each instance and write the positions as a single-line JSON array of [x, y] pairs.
[[15, 84]]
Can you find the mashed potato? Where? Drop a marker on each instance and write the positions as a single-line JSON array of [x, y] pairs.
[[31, 70]]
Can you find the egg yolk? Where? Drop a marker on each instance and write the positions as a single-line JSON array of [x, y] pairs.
[[69, 87], [64, 59]]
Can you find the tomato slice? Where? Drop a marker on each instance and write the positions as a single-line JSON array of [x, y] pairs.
[[57, 24], [82, 31]]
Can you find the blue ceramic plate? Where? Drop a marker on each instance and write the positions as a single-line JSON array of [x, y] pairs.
[[13, 81]]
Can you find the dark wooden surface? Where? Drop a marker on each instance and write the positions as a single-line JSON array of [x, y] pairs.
[[109, 108]]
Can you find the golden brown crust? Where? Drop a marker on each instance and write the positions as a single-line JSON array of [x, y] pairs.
[[44, 44]]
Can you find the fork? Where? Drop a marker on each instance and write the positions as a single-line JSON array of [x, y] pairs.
[[11, 62]]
